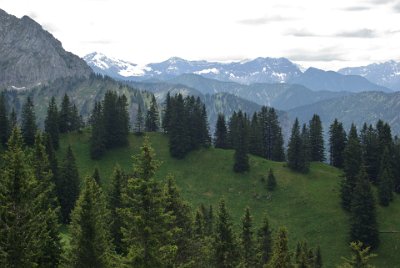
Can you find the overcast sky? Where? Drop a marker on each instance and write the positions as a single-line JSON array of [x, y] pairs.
[[325, 34]]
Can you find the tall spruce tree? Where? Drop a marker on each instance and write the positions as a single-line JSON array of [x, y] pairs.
[[271, 181], [13, 120], [370, 148], [96, 176], [280, 254], [5, 128], [255, 138], [317, 148], [225, 248], [118, 183], [91, 244], [20, 214], [305, 138], [146, 233], [65, 115], [50, 242], [167, 113], [264, 243], [247, 241], [386, 180], [241, 159], [352, 165], [97, 139], [68, 185], [360, 256], [363, 222], [152, 117], [221, 133], [28, 122], [139, 124], [337, 144], [51, 123], [178, 137], [53, 162], [296, 153]]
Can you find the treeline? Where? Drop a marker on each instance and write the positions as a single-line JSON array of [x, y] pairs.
[[58, 120], [185, 121]]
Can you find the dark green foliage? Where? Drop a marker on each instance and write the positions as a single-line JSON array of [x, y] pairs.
[[28, 123], [396, 163], [187, 125], [115, 119], [255, 138], [247, 241], [226, 252], [385, 193], [363, 223], [51, 155], [50, 243], [271, 181], [13, 120], [23, 236], [317, 148], [221, 133], [152, 117], [352, 165], [118, 183], [337, 144], [139, 124], [167, 113], [68, 185], [304, 257], [97, 140], [297, 159], [51, 123], [181, 222], [241, 159], [305, 138], [5, 127], [318, 258], [146, 224], [264, 243], [91, 243], [96, 176], [371, 157], [65, 115], [281, 256], [360, 256]]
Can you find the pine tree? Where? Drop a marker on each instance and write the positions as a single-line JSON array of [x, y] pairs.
[[167, 113], [352, 165], [28, 123], [386, 180], [178, 138], [146, 223], [20, 218], [51, 123], [118, 183], [181, 221], [65, 115], [96, 176], [224, 240], [371, 150], [264, 243], [278, 154], [305, 138], [318, 258], [271, 181], [220, 140], [280, 256], [139, 122], [337, 143], [360, 256], [241, 159], [363, 223], [68, 185], [209, 221], [97, 139], [13, 120], [76, 122], [316, 139], [255, 138], [152, 117], [50, 242], [5, 127], [247, 241], [90, 244], [296, 153], [53, 162]]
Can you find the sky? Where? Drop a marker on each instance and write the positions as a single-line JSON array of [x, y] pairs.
[[323, 34]]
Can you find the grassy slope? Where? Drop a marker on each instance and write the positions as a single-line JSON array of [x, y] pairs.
[[307, 204]]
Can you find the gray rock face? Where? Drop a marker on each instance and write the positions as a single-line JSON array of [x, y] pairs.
[[29, 55]]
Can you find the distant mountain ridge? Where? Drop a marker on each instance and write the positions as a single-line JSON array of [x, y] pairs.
[[257, 71], [30, 56], [386, 74]]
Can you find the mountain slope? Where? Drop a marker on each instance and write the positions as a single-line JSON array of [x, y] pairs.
[[386, 74], [308, 205], [357, 108], [30, 55], [316, 79]]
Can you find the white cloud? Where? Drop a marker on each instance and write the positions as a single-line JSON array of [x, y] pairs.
[[154, 30]]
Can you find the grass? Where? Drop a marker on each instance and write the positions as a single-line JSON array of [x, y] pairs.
[[308, 205]]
